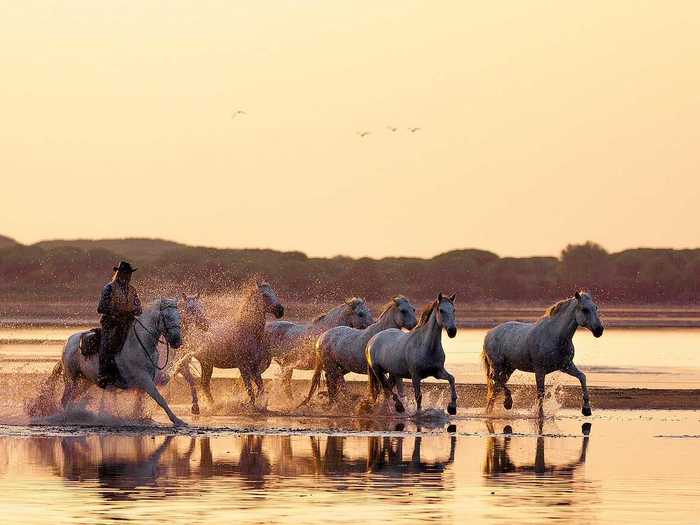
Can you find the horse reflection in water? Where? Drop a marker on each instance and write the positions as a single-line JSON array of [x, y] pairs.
[[134, 464], [498, 464]]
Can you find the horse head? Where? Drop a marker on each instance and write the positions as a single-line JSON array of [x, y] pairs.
[[270, 300], [194, 311], [170, 322], [357, 314], [445, 314], [404, 312], [587, 314]]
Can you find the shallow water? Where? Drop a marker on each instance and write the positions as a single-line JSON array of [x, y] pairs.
[[615, 470], [651, 358]]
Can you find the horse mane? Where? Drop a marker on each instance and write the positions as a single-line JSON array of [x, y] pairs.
[[353, 303], [556, 308], [393, 302], [425, 314]]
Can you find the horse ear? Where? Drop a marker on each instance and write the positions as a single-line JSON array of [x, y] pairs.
[[440, 297], [453, 297], [578, 296]]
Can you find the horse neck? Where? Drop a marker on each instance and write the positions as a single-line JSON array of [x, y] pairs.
[[332, 318], [385, 321], [148, 333], [429, 333], [252, 313], [563, 325]]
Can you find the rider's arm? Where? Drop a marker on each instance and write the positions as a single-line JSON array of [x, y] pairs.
[[137, 305], [105, 306]]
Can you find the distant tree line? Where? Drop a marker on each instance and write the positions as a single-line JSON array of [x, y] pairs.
[[63, 271]]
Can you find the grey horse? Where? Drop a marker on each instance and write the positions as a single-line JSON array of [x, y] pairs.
[[292, 345], [542, 347], [416, 355], [341, 350]]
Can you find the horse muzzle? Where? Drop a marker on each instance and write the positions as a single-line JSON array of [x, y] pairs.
[[597, 332], [451, 331], [278, 311], [175, 342]]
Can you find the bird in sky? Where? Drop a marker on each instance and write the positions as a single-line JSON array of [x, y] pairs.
[[392, 128], [238, 112], [363, 134], [413, 130]]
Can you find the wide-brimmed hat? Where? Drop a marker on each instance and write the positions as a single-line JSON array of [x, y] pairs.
[[124, 267]]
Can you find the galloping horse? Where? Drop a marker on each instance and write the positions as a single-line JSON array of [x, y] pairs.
[[416, 355], [341, 350], [542, 347], [238, 343], [137, 362], [292, 345]]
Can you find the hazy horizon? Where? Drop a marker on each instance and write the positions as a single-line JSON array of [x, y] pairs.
[[542, 124]]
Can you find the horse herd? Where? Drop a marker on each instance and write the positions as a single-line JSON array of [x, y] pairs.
[[397, 345]]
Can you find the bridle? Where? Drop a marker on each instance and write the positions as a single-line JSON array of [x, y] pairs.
[[156, 336]]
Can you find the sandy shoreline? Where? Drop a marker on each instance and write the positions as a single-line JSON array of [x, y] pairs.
[[471, 395]]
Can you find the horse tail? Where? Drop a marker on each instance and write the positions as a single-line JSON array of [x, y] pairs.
[[486, 363], [45, 403], [316, 379], [373, 381]]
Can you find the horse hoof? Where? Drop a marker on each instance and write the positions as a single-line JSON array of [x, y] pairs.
[[586, 411], [452, 428], [452, 409], [586, 429], [508, 403], [507, 429], [195, 410], [399, 427], [399, 407]]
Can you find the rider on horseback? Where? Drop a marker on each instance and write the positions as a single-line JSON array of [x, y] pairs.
[[119, 305]]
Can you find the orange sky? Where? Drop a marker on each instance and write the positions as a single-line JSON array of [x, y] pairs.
[[542, 123]]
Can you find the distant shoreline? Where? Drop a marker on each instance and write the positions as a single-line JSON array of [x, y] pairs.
[[469, 315]]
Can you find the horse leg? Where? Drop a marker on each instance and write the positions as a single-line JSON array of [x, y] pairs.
[[148, 386], [248, 383], [207, 371], [260, 385], [508, 401], [444, 374], [416, 391], [572, 370], [388, 384], [187, 374], [138, 405], [539, 379], [286, 377]]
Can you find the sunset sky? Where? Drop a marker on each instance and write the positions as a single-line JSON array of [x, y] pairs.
[[542, 123]]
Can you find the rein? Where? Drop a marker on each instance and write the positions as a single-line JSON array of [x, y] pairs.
[[157, 338]]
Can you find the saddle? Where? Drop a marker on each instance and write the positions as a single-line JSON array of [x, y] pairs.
[[90, 342]]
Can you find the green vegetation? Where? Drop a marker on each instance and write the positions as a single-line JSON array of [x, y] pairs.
[[75, 270]]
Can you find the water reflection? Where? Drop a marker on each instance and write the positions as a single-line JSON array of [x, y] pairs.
[[534, 479]]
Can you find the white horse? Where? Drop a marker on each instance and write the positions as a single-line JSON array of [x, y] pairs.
[[238, 343], [416, 355], [292, 345], [341, 350], [137, 362], [542, 347]]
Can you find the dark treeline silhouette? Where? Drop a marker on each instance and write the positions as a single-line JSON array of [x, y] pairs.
[[75, 270]]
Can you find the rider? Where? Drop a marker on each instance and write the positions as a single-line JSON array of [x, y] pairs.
[[119, 305]]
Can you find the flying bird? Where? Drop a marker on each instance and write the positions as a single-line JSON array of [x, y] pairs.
[[413, 130], [238, 112], [363, 134], [392, 128]]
